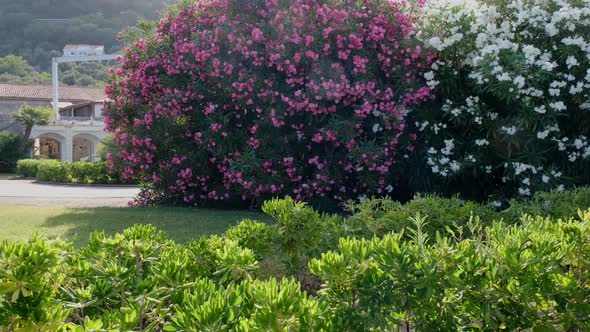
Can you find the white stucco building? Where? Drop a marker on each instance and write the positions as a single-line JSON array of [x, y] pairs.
[[83, 50], [78, 132], [76, 129]]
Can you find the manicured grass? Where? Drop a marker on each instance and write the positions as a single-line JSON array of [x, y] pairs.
[[181, 224], [8, 175]]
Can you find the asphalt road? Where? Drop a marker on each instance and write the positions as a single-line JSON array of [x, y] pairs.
[[31, 192]]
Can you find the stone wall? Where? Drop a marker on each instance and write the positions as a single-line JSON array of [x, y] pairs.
[[9, 106]]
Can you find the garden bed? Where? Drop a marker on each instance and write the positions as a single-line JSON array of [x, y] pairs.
[[431, 264]]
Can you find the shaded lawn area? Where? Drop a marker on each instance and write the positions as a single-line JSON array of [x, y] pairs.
[[181, 224], [8, 175]]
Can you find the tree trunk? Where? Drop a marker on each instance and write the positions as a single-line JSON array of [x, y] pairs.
[[26, 138]]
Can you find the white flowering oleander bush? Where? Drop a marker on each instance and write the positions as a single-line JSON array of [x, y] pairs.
[[513, 81]]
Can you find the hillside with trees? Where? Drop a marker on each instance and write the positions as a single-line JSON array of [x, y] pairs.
[[37, 30]]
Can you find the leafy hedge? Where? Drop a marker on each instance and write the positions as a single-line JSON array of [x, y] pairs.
[[10, 151], [65, 171], [315, 272]]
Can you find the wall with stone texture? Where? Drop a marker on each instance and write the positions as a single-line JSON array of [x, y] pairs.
[[9, 106]]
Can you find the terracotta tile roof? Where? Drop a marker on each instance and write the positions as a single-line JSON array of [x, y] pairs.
[[45, 92]]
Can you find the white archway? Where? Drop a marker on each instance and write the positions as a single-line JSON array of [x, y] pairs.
[[49, 145], [84, 147]]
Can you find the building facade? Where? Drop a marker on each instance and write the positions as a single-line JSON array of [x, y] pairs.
[[77, 133], [83, 50]]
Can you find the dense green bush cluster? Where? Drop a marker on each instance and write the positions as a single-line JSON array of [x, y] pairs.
[[10, 151], [65, 171], [527, 276], [509, 83], [472, 268]]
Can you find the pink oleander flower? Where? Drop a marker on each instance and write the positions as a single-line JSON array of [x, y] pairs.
[[228, 102]]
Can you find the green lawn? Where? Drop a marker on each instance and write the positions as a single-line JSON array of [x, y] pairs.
[[8, 175], [181, 224]]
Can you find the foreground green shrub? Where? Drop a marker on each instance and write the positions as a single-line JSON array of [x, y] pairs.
[[528, 276], [525, 273], [381, 216], [140, 280], [554, 204], [30, 277], [65, 171], [10, 151]]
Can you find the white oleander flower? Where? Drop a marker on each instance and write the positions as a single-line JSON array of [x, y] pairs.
[[571, 61], [509, 130], [558, 106], [543, 134], [519, 81], [482, 142], [524, 191]]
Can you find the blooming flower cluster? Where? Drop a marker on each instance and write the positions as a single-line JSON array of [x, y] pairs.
[[514, 82], [242, 100]]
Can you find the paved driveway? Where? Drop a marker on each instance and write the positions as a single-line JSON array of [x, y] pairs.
[[31, 192]]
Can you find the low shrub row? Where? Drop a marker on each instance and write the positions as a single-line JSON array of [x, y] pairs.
[[65, 171], [430, 265]]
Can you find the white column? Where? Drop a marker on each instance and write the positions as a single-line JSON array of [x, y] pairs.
[[68, 151], [36, 148], [55, 81]]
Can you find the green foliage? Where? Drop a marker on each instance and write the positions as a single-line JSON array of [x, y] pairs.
[[107, 147], [54, 170], [65, 171], [85, 172], [27, 167], [27, 32], [555, 204], [29, 281], [28, 117], [85, 73], [10, 151], [252, 234], [517, 273], [378, 217], [527, 276], [15, 69]]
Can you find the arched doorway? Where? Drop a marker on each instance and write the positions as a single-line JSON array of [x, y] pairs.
[[84, 147], [48, 146]]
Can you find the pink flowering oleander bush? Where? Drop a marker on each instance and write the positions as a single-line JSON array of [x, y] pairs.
[[236, 101], [513, 83]]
